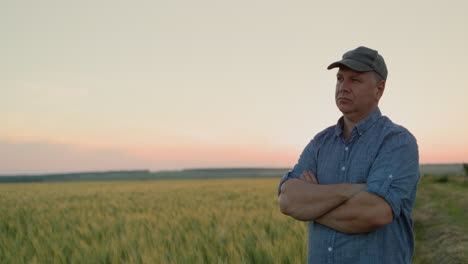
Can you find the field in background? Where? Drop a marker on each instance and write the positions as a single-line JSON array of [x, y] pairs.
[[192, 221], [441, 220], [209, 173], [144, 175], [442, 169]]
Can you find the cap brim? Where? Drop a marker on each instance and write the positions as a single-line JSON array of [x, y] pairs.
[[352, 64]]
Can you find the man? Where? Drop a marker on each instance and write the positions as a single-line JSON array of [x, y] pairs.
[[356, 181]]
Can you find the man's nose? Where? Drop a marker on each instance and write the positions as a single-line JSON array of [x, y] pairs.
[[344, 86]]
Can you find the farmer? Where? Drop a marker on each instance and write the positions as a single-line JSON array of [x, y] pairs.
[[355, 182]]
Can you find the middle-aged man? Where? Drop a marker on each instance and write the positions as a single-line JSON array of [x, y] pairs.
[[356, 181]]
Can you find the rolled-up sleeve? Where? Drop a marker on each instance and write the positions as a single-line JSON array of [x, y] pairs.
[[307, 161], [395, 171]]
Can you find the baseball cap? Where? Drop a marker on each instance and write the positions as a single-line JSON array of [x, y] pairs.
[[363, 59]]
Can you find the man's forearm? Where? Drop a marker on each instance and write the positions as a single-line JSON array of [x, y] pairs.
[[307, 201], [362, 213]]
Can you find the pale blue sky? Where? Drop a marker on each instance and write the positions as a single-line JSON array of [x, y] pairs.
[[177, 84]]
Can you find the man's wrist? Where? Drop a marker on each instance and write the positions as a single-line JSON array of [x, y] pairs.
[[348, 190]]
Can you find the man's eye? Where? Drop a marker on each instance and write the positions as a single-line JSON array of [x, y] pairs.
[[355, 80]]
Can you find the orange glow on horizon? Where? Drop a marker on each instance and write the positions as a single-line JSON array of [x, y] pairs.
[[444, 155], [38, 155]]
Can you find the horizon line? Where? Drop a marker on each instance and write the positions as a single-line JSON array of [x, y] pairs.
[[169, 170]]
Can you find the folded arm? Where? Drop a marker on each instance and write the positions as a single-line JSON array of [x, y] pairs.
[[306, 201], [344, 207], [362, 213]]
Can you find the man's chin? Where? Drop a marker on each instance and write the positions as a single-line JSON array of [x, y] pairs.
[[344, 108]]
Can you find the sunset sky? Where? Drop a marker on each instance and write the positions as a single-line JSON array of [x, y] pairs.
[[108, 85]]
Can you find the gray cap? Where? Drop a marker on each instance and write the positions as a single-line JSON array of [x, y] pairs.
[[363, 59]]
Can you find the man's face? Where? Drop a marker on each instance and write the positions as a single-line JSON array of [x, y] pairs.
[[357, 92]]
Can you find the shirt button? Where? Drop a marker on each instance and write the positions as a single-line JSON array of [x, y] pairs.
[[390, 176], [346, 148], [343, 168], [330, 249]]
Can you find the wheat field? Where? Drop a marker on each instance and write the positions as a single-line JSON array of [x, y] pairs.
[[192, 221]]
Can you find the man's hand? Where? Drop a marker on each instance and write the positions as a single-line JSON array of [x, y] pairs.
[[308, 176]]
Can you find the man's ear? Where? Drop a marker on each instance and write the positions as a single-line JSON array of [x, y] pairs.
[[380, 89]]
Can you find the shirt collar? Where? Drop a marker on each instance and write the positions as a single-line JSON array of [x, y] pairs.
[[362, 126], [365, 124], [339, 127]]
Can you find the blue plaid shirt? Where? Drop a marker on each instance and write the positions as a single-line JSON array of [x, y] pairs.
[[385, 157]]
